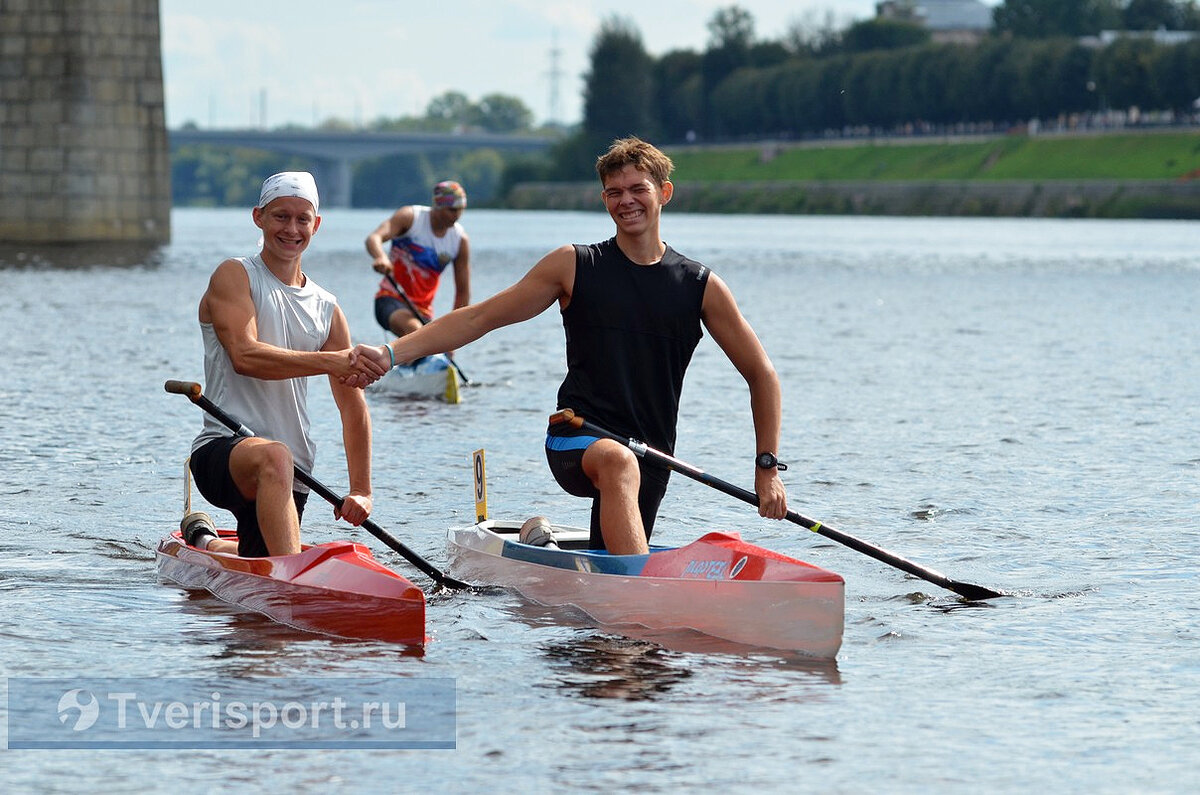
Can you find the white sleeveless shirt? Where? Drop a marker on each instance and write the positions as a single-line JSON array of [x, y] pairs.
[[297, 318]]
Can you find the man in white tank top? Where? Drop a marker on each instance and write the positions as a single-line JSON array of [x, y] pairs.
[[266, 328]]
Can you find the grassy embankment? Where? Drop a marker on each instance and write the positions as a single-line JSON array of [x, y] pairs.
[[1149, 175], [1150, 156], [1122, 175]]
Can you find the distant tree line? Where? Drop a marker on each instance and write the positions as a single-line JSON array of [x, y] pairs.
[[1049, 18], [880, 75], [1000, 81]]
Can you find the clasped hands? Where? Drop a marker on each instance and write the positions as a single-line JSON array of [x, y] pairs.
[[363, 365]]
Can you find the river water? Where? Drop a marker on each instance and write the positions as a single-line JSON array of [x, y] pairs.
[[1012, 402]]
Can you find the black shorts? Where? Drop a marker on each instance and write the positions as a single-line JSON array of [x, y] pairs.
[[564, 454], [210, 469], [385, 305]]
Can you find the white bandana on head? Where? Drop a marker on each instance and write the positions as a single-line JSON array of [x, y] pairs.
[[289, 183]]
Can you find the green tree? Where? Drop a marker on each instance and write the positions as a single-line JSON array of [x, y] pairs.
[[527, 168], [1049, 77], [500, 113], [1190, 15], [391, 181], [1176, 74], [795, 97], [929, 82], [1154, 14], [742, 104], [767, 53], [214, 176], [731, 34], [452, 106], [809, 36], [985, 89], [677, 93], [406, 124], [882, 34], [618, 89], [1047, 18], [828, 111], [731, 27], [1124, 73], [480, 172], [335, 124]]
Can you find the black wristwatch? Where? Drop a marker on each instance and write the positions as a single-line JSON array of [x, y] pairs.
[[769, 461]]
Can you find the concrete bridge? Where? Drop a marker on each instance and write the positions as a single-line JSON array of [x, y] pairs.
[[335, 152]]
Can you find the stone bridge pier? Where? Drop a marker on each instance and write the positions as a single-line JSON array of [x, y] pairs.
[[335, 176], [83, 140]]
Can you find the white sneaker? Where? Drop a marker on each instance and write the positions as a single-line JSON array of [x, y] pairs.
[[198, 529], [537, 531]]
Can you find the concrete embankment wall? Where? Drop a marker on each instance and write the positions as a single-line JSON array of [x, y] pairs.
[[83, 140], [1049, 198]]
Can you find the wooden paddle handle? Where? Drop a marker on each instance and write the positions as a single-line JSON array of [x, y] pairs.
[[567, 416], [189, 388]]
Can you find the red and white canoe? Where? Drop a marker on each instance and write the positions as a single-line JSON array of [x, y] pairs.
[[718, 585], [336, 588]]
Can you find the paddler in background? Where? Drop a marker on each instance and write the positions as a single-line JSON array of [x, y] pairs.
[[633, 309], [424, 241], [266, 327]]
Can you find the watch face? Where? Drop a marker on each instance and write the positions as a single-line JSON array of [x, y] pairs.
[[765, 461]]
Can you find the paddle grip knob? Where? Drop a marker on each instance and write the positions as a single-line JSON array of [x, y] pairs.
[[567, 416], [189, 388]]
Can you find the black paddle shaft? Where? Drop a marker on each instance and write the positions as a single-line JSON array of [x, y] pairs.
[[424, 321], [640, 449], [193, 392]]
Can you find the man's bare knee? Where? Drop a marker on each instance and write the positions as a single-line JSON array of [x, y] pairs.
[[274, 462], [259, 463], [611, 465]]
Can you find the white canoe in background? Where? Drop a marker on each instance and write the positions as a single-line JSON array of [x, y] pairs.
[[718, 585], [432, 377]]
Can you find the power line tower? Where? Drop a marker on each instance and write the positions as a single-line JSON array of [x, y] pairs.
[[554, 74]]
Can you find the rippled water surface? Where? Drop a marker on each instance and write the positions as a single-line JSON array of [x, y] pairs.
[[1012, 402]]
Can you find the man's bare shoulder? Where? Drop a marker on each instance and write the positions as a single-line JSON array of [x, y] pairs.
[[563, 254], [230, 273], [557, 264], [403, 218], [231, 264], [228, 283], [396, 224]]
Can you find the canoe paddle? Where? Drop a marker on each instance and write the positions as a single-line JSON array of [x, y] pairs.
[[424, 322], [193, 392], [640, 449]]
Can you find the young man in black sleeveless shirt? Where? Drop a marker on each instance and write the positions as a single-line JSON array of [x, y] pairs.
[[633, 309]]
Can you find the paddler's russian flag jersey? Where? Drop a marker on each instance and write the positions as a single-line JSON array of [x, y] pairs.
[[418, 259]]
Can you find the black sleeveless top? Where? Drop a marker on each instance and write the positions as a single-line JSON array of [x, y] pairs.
[[631, 330]]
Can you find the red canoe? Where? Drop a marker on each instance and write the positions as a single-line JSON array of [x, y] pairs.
[[336, 588]]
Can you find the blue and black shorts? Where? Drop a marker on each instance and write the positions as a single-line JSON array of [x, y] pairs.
[[564, 454]]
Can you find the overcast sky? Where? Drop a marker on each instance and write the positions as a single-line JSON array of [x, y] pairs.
[[359, 60]]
